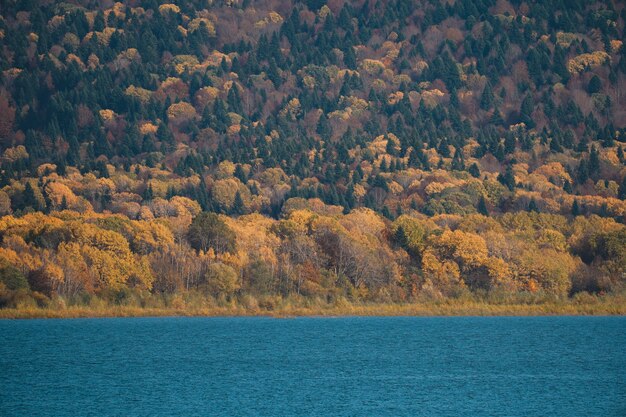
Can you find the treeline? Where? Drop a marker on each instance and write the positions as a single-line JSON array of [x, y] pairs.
[[312, 252], [369, 150]]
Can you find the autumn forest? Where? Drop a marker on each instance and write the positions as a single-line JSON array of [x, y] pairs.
[[263, 155]]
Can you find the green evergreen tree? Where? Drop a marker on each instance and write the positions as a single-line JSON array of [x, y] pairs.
[[29, 199], [582, 172], [474, 170], [486, 100], [148, 193], [508, 179], [208, 231], [594, 161], [482, 206], [622, 189], [575, 208], [238, 205], [567, 187], [240, 174], [526, 111], [595, 85]]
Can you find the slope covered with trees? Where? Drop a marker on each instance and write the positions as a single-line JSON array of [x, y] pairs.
[[239, 151]]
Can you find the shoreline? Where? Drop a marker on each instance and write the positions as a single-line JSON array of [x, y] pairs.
[[356, 310]]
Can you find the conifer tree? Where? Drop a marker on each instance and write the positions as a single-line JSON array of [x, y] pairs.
[[486, 100], [482, 206]]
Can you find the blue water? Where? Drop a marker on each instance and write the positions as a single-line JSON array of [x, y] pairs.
[[542, 366]]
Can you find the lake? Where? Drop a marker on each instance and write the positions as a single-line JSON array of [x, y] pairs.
[[402, 366]]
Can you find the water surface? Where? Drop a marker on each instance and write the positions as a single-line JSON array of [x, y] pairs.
[[500, 366]]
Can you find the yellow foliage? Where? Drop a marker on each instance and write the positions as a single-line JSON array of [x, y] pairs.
[[324, 11], [273, 176], [74, 58], [254, 239], [299, 220], [363, 221], [565, 39], [379, 145], [186, 206], [59, 194], [180, 112], [148, 128], [15, 153], [235, 118], [224, 192], [552, 239], [275, 17], [169, 7], [5, 204], [432, 97], [54, 273], [197, 22], [140, 93], [292, 109], [616, 45], [183, 63], [468, 248], [107, 114], [11, 257], [444, 276], [356, 104], [372, 66], [588, 61], [477, 223], [395, 98], [438, 187], [554, 170], [206, 95], [549, 268], [272, 18], [225, 169], [215, 59], [420, 66], [46, 169]]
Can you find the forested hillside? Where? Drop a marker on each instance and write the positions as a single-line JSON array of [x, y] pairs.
[[255, 151]]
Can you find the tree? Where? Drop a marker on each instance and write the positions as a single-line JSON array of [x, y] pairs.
[[526, 111], [238, 205], [595, 85], [240, 174], [32, 198], [594, 162], [411, 234], [474, 170], [7, 117], [482, 206], [582, 172], [567, 187], [622, 189], [508, 178], [11, 277], [208, 231], [486, 101], [5, 204], [148, 193], [221, 280]]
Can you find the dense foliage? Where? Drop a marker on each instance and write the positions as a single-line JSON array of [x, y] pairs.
[[383, 150]]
